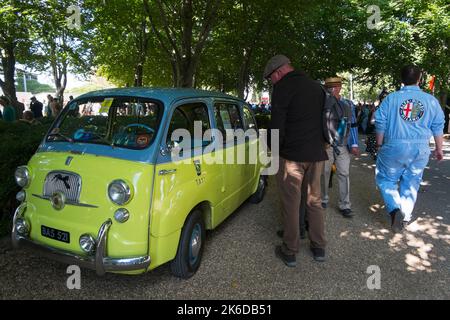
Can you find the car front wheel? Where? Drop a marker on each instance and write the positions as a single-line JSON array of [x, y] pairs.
[[190, 248], [258, 196]]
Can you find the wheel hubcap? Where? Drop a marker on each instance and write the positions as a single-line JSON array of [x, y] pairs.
[[262, 184], [196, 244]]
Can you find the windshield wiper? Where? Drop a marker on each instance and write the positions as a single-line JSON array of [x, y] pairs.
[[61, 135]]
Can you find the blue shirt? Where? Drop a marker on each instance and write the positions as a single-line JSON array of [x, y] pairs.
[[352, 141], [409, 115]]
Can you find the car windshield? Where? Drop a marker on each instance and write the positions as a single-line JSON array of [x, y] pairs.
[[125, 122]]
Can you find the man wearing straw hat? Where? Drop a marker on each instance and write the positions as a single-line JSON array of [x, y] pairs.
[[342, 161]]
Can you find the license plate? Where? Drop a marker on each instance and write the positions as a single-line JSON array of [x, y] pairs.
[[55, 234]]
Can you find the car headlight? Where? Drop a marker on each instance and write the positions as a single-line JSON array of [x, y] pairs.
[[22, 176], [119, 192]]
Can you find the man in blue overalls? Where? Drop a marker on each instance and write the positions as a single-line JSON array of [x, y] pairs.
[[405, 122]]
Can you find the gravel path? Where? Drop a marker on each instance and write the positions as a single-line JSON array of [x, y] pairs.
[[239, 260]]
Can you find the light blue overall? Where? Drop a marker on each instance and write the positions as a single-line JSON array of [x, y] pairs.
[[407, 118]]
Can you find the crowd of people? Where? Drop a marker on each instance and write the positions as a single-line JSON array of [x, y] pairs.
[[262, 108], [399, 129], [35, 112]]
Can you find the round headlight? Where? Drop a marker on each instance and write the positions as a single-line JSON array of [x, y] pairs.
[[22, 227], [22, 176], [119, 192], [21, 196], [122, 215], [87, 243]]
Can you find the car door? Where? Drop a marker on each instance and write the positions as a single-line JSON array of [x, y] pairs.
[[228, 120], [251, 146], [183, 177]]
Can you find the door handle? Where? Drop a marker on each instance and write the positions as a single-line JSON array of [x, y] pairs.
[[166, 172]]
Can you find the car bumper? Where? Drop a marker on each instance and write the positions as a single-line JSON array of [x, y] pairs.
[[98, 261]]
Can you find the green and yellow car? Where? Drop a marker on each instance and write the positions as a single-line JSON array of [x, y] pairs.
[[129, 179]]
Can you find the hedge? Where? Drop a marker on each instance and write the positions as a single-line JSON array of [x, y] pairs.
[[18, 143]]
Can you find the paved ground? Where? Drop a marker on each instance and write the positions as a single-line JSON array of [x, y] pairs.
[[239, 260]]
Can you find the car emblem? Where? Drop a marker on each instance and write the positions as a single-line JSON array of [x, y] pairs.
[[198, 167], [58, 200], [65, 180], [68, 161]]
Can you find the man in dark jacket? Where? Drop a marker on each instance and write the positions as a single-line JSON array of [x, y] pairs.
[[36, 107], [447, 116], [297, 103]]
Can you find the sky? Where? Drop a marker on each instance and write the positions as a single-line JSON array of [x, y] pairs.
[[72, 81]]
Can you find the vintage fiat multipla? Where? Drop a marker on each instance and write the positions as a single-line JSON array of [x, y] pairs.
[[104, 191]]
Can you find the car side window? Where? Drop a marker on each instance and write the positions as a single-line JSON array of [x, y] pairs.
[[227, 117], [250, 122], [185, 117], [235, 117]]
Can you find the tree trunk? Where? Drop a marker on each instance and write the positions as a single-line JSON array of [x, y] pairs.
[[247, 52], [142, 46], [8, 84], [187, 74], [138, 75], [243, 76], [61, 83], [59, 69]]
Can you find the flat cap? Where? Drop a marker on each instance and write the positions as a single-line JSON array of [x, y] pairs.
[[274, 63], [333, 82]]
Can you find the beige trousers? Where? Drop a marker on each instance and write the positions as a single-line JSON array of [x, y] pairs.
[[290, 178], [342, 162]]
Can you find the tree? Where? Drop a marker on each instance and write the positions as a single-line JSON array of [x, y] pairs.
[[433, 29], [182, 29], [60, 44], [124, 46], [241, 32], [15, 21], [224, 45]]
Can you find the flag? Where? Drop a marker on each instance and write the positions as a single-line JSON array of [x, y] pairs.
[[431, 83]]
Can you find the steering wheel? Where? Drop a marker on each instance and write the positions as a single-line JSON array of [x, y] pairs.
[[138, 125], [83, 135]]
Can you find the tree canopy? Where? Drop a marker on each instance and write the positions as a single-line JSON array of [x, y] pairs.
[[224, 44]]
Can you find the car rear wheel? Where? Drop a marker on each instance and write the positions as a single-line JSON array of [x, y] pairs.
[[258, 196], [190, 248]]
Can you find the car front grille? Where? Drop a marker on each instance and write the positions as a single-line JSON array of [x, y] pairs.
[[65, 182]]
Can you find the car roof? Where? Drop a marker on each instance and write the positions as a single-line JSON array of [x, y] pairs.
[[167, 95]]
